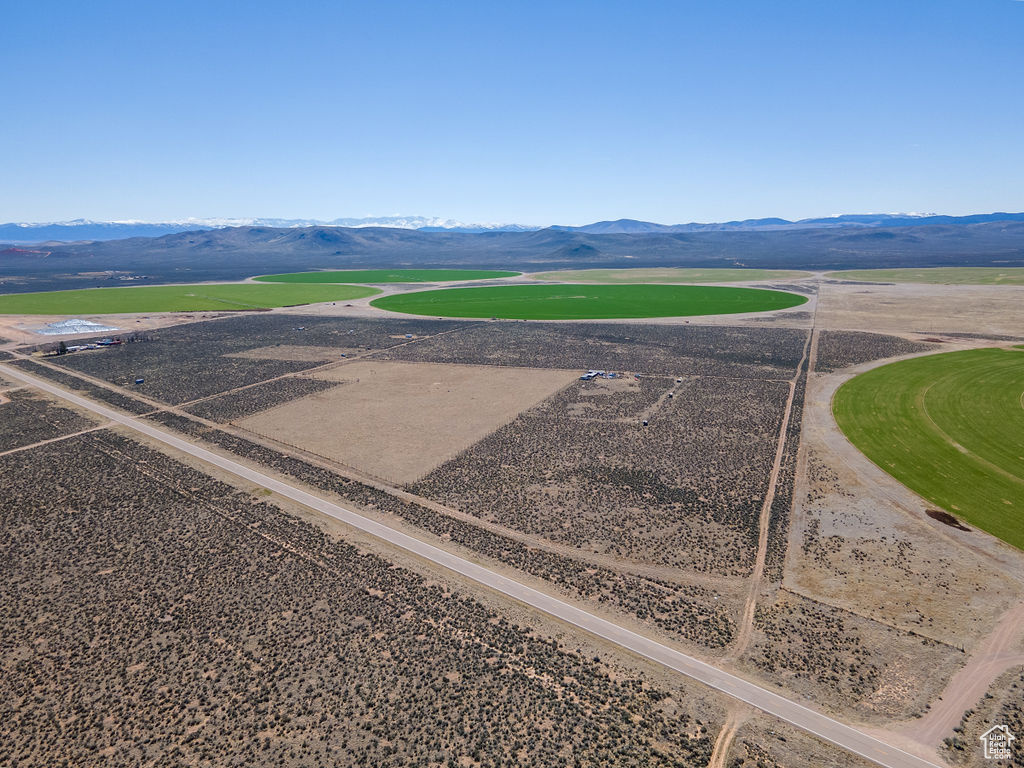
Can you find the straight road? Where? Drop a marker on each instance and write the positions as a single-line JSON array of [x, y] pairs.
[[809, 720]]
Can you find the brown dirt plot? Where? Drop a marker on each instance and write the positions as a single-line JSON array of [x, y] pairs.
[[930, 309], [399, 420], [294, 353]]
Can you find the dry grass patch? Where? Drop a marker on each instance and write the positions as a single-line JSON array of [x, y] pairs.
[[980, 309], [400, 420]]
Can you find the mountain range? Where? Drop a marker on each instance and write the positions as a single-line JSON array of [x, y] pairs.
[[234, 253], [79, 230], [632, 226]]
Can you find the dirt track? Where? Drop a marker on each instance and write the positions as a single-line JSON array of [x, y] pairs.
[[720, 752], [747, 621], [997, 653]]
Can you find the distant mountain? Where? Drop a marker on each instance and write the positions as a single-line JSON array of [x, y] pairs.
[[632, 226], [909, 219], [233, 253], [83, 230], [80, 230]]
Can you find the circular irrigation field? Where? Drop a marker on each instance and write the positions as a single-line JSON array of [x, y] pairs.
[[587, 302], [951, 428], [176, 298], [386, 276]]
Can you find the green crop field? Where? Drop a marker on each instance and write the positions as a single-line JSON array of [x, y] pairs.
[[937, 276], [951, 428], [668, 275], [386, 276], [583, 302], [176, 298]]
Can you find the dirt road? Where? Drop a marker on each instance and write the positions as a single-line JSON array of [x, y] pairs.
[[746, 626], [994, 655], [809, 720]]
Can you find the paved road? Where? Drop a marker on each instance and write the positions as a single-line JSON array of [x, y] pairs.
[[802, 717]]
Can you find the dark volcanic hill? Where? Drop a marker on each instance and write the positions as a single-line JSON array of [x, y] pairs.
[[239, 252]]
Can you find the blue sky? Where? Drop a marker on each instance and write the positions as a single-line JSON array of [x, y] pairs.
[[536, 113]]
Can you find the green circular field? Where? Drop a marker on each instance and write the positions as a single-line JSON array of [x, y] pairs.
[[176, 298], [951, 428], [587, 302], [386, 276]]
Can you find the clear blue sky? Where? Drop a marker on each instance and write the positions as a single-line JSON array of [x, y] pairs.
[[529, 112]]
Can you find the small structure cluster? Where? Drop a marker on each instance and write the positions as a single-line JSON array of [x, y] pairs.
[[595, 374]]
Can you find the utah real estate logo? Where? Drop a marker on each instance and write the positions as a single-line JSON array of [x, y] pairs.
[[996, 741]]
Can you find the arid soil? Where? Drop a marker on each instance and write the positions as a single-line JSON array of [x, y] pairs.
[[863, 542], [21, 328], [693, 610], [479, 437], [760, 742], [400, 420], [842, 349], [917, 308], [582, 469], [186, 363], [845, 661], [840, 735], [871, 558], [245, 402], [1002, 704], [989, 660], [199, 626], [294, 352], [26, 417]]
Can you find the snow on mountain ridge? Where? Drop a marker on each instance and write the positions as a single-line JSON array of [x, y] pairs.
[[397, 222]]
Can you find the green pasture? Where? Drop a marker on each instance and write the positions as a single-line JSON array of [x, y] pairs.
[[386, 276], [667, 275], [937, 276], [176, 298], [584, 302], [951, 428]]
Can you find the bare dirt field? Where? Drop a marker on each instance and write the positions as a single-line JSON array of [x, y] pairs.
[[294, 353], [399, 420], [980, 309]]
